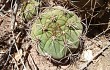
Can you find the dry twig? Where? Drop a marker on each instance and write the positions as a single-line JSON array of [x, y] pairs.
[[84, 66], [13, 27], [4, 5]]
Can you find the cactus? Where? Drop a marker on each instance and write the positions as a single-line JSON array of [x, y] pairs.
[[29, 9], [56, 32]]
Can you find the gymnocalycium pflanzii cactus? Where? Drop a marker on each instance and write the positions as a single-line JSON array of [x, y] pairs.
[[29, 9], [56, 32]]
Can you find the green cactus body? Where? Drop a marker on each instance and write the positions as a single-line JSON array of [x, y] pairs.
[[56, 32], [29, 9]]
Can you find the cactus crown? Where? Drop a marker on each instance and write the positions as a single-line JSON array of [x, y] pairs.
[[56, 31]]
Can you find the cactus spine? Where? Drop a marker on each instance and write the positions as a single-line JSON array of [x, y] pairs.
[[57, 32]]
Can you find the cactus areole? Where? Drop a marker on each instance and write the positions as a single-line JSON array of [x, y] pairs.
[[56, 32]]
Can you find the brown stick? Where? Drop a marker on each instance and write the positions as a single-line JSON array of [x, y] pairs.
[[96, 55]]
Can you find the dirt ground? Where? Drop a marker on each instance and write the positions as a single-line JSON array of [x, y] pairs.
[[34, 61], [18, 52]]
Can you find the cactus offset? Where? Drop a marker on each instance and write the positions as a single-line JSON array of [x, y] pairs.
[[29, 9], [56, 32]]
